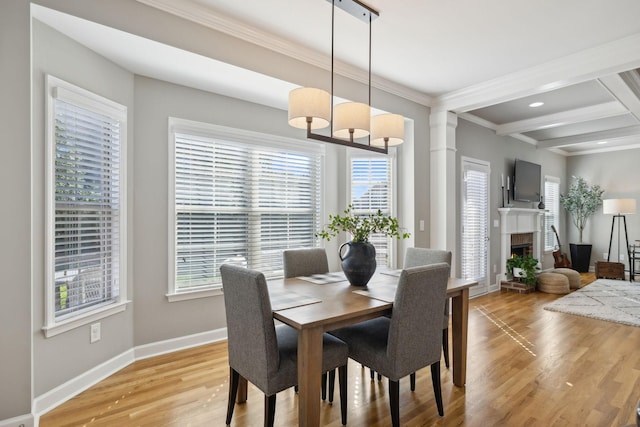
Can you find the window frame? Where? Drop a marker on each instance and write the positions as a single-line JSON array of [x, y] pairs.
[[241, 136], [552, 247], [60, 89], [392, 156]]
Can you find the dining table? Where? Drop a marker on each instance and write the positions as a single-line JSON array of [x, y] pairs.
[[319, 303]]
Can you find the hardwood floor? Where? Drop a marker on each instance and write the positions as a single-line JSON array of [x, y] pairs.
[[526, 367]]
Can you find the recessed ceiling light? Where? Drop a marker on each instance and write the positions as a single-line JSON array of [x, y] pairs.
[[601, 142], [536, 104]]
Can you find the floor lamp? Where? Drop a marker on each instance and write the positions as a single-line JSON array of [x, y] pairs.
[[619, 208]]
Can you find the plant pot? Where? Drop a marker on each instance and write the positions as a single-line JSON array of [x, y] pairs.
[[580, 256], [358, 262], [518, 272]]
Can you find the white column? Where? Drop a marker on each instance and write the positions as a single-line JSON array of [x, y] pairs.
[[443, 183]]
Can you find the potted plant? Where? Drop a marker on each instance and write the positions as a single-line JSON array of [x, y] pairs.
[[581, 201], [359, 260], [523, 268]]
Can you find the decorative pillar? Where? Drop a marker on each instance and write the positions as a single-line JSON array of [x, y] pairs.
[[443, 183]]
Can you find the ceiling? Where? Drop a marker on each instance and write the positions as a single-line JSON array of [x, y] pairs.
[[486, 61]]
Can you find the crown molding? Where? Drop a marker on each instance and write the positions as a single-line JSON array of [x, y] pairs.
[[203, 16], [603, 150], [619, 135], [609, 58]]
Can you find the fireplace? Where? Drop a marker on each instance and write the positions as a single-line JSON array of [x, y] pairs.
[[520, 233], [522, 244]]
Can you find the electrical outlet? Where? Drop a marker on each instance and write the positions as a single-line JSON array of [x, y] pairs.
[[422, 225], [95, 333], [621, 257]]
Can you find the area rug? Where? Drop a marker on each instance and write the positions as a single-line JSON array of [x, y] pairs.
[[612, 300]]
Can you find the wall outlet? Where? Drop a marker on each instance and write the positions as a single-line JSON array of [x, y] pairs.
[[95, 333], [422, 225], [621, 257]]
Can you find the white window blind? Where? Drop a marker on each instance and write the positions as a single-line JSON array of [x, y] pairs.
[[87, 192], [474, 222], [239, 203], [370, 192], [552, 208]]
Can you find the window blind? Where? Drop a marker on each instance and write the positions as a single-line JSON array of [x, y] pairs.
[[370, 192], [87, 190], [552, 211], [474, 228], [240, 203]]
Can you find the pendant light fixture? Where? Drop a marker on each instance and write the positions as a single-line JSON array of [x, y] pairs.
[[312, 108]]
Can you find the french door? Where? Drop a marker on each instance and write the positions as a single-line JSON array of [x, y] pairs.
[[475, 224]]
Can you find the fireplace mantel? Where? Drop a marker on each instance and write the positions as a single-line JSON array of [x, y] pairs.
[[515, 221]]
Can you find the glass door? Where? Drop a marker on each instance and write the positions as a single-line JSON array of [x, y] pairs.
[[475, 224]]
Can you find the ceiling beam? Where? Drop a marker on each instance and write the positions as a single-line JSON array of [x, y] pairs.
[[579, 115], [619, 88], [626, 133]]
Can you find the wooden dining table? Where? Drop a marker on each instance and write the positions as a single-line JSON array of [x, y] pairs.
[[314, 308]]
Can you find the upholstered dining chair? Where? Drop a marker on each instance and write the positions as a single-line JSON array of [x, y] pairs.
[[304, 262], [426, 256], [262, 353], [307, 262], [410, 339]]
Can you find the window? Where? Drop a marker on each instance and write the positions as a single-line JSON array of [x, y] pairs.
[[85, 207], [238, 197], [371, 189], [552, 211]]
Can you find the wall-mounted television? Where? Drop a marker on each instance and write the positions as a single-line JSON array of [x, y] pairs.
[[526, 181]]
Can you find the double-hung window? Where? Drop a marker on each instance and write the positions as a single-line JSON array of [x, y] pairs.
[[237, 197], [552, 211], [372, 190], [86, 243]]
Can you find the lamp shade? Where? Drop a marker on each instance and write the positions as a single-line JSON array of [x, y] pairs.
[[309, 102], [349, 116], [387, 126], [618, 206]]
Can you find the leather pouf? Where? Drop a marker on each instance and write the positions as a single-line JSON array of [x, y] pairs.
[[572, 275], [553, 283]]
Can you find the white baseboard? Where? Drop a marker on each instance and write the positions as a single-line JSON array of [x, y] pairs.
[[49, 400], [21, 421], [180, 343]]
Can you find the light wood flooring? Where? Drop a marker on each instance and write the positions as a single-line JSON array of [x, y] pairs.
[[526, 367]]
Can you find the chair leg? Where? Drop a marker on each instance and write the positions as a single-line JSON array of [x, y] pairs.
[[379, 376], [394, 402], [332, 383], [412, 380], [342, 376], [234, 378], [323, 382], [437, 390], [445, 346], [373, 374], [269, 410]]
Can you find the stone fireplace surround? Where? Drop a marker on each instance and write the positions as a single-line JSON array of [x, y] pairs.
[[517, 222]]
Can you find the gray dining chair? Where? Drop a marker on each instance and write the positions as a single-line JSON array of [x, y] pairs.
[[307, 262], [426, 256], [262, 353], [410, 339], [304, 262]]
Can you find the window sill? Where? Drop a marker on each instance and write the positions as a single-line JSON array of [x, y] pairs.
[[84, 319], [203, 293]]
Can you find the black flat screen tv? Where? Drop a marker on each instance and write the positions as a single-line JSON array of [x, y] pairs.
[[526, 181]]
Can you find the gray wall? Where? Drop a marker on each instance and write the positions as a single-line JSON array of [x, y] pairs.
[[618, 174], [64, 356], [500, 151], [15, 183]]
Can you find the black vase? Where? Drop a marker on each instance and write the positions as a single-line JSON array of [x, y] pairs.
[[358, 262]]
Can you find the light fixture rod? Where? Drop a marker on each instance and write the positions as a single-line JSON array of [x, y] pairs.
[[324, 138]]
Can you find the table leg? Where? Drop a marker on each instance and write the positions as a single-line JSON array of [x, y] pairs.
[[460, 320], [309, 373], [241, 397]]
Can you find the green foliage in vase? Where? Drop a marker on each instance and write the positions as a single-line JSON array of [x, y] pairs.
[[362, 226], [581, 201]]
